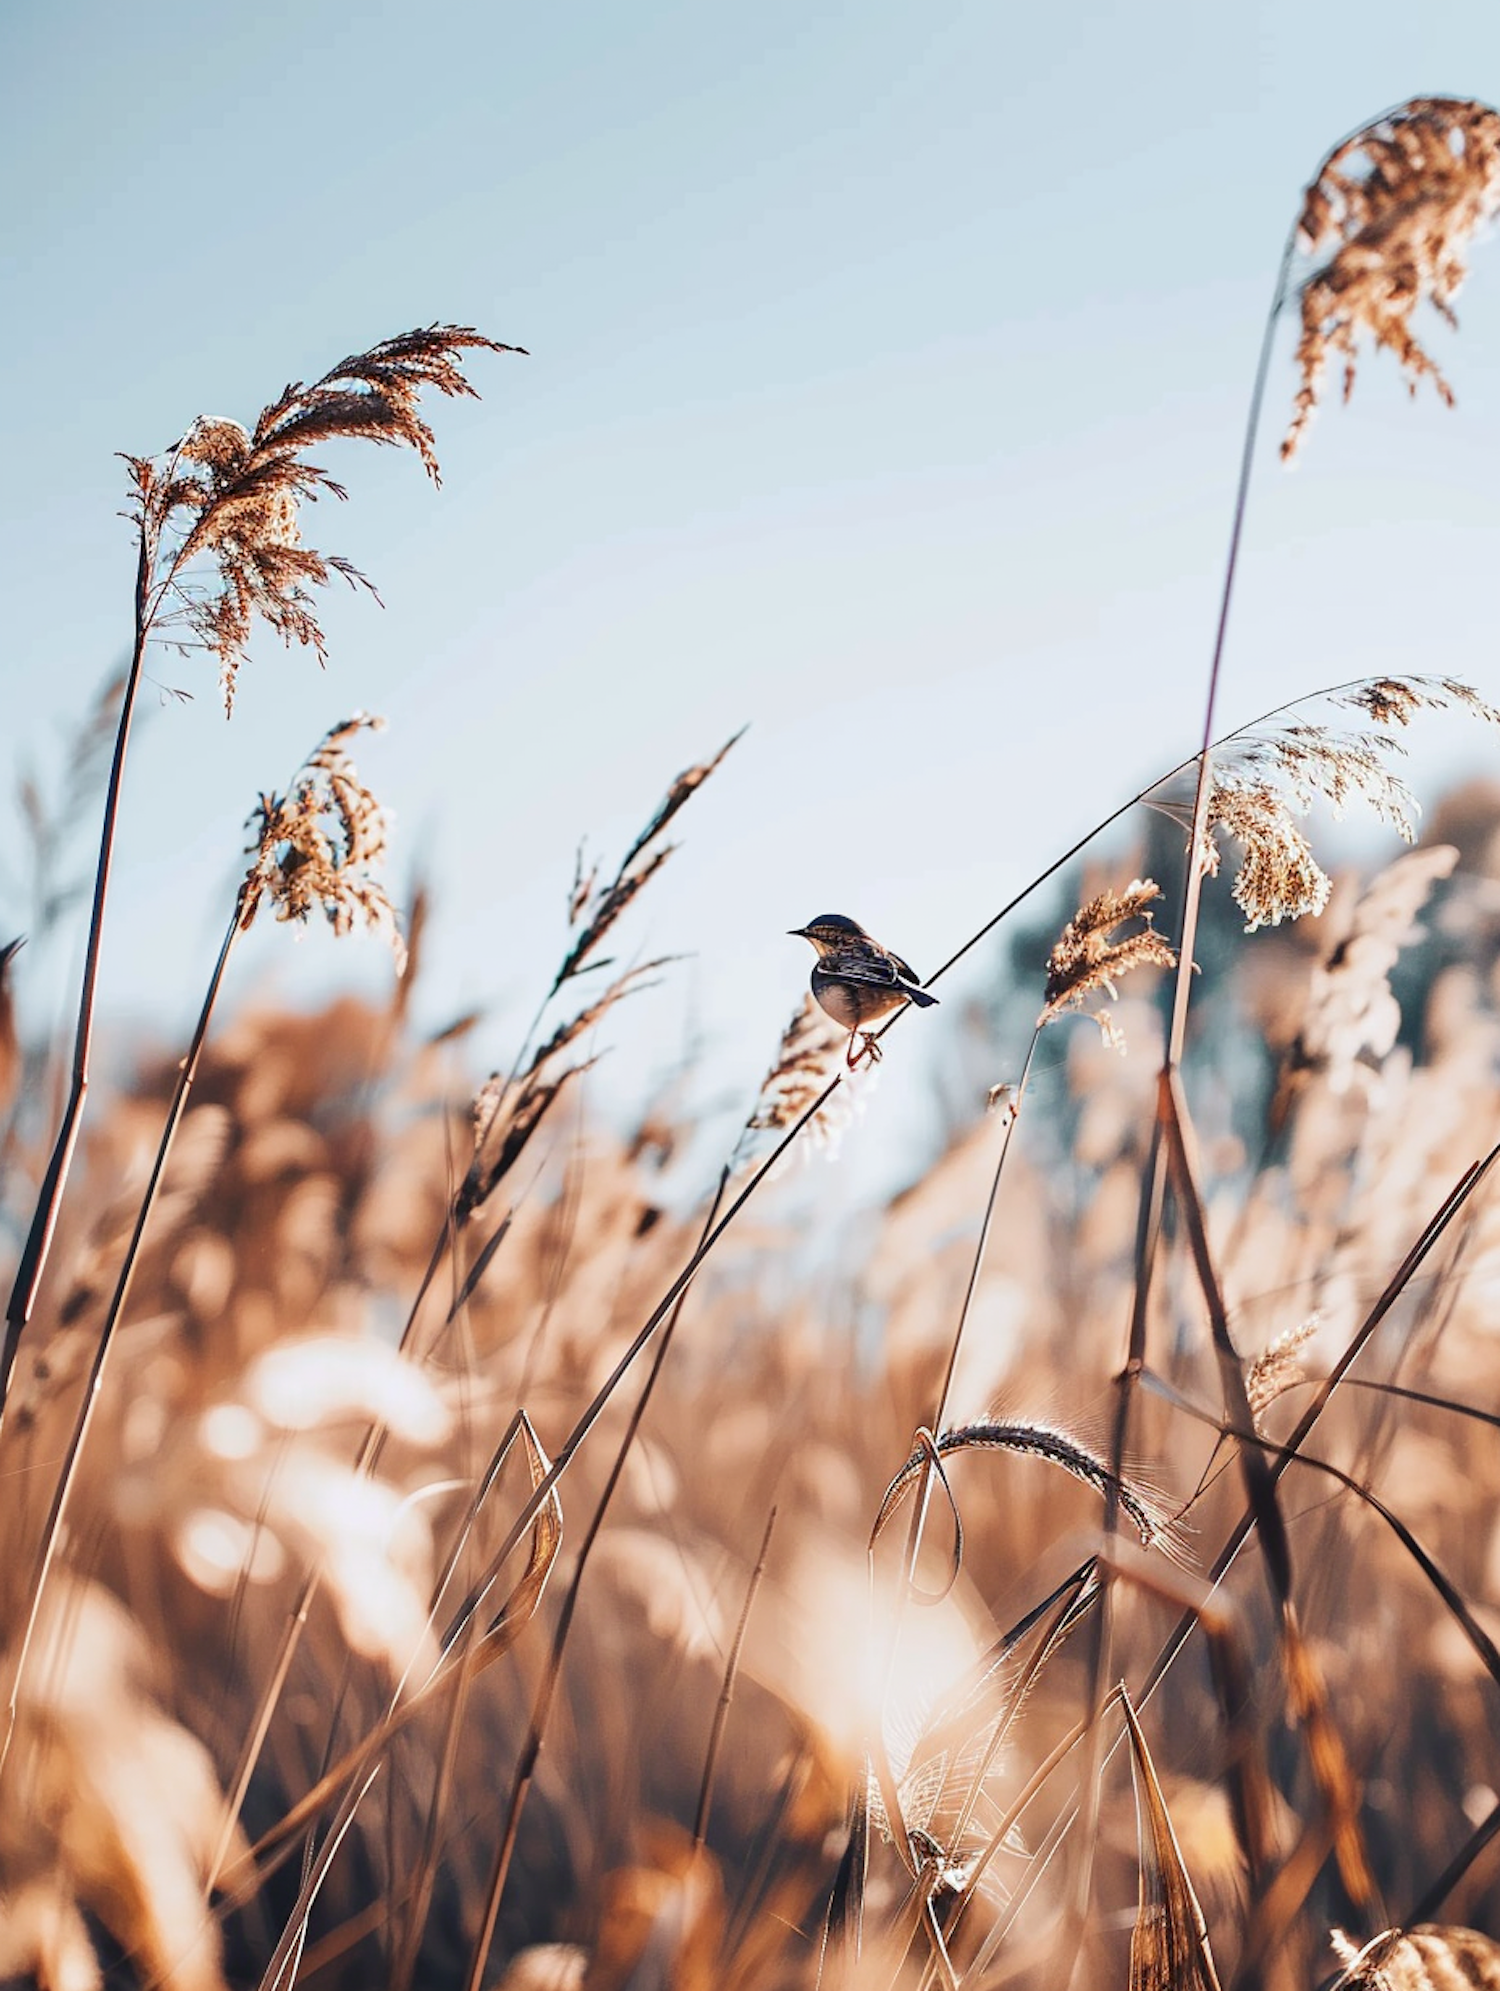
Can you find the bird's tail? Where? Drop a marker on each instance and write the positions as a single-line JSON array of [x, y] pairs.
[[919, 996]]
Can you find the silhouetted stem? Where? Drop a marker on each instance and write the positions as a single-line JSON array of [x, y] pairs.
[[63, 1485], [1148, 1229], [531, 1748], [726, 1692], [49, 1202]]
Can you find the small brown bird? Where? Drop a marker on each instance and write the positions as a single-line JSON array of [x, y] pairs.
[[857, 981]]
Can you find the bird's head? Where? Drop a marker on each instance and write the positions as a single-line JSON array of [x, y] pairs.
[[828, 931]]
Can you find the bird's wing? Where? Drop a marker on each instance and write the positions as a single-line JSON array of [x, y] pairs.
[[905, 970], [875, 971]]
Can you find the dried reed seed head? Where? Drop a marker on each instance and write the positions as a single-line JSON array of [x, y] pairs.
[[1396, 701], [1263, 779], [808, 1061], [217, 441], [1278, 1367], [233, 496], [1392, 212], [1088, 958], [1279, 878], [598, 909], [806, 1064], [318, 847], [1351, 1018]]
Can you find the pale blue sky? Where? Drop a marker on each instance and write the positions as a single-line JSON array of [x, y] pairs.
[[888, 368]]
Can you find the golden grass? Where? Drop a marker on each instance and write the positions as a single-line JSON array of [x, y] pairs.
[[374, 1612]]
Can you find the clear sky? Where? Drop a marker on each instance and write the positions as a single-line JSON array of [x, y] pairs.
[[888, 367]]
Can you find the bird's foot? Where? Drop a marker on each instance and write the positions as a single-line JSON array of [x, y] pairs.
[[870, 1049]]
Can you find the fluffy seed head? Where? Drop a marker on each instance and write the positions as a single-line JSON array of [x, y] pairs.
[[219, 512], [1088, 957], [319, 847], [1391, 213]]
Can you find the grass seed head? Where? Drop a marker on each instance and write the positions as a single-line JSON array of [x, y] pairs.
[[1088, 957], [1391, 213], [318, 848], [231, 497]]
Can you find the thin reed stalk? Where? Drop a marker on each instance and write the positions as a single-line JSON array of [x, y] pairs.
[[536, 1732], [67, 1472]]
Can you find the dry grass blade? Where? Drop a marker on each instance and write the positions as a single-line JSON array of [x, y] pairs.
[[508, 1109], [1169, 1947], [1340, 1789], [843, 1926], [520, 1606], [1391, 213], [1426, 1958], [1089, 959], [500, 1138], [726, 1692], [598, 909]]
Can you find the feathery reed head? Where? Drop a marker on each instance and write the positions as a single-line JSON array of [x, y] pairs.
[[1279, 878], [1088, 958], [1278, 1367], [233, 495], [594, 908], [320, 846], [1392, 212], [807, 1062], [1266, 777]]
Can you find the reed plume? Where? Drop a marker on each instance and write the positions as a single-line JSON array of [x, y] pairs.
[[1392, 213], [1090, 957], [318, 848], [805, 1066], [1267, 776], [233, 496]]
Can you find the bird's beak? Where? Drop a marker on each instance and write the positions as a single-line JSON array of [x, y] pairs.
[[796, 933]]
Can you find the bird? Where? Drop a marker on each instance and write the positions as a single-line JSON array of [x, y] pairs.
[[857, 981]]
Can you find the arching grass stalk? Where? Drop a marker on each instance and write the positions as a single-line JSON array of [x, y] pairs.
[[805, 1119]]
